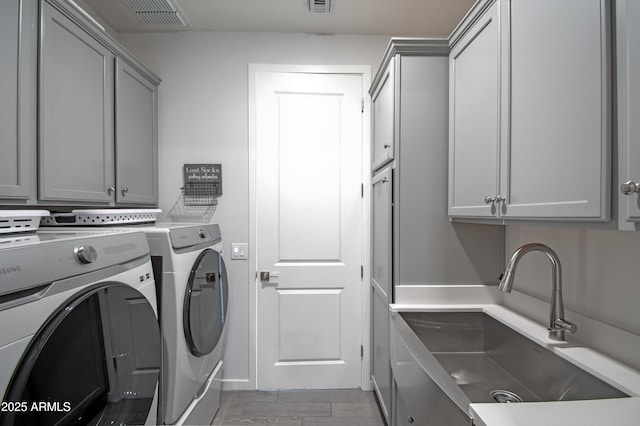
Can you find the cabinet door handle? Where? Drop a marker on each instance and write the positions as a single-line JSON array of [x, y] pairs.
[[496, 199], [410, 420], [629, 187], [387, 146], [111, 190], [124, 190]]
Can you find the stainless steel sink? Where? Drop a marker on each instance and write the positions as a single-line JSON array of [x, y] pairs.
[[490, 362]]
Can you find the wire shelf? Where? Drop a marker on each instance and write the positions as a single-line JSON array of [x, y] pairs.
[[191, 207], [197, 194]]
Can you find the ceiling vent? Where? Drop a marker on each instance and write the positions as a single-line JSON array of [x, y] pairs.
[[318, 6], [158, 13]]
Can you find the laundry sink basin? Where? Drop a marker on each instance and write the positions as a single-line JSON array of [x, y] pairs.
[[490, 362]]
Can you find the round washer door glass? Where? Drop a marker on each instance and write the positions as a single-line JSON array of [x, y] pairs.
[[205, 303], [95, 361]]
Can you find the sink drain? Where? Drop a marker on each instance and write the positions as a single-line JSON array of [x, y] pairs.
[[504, 396]]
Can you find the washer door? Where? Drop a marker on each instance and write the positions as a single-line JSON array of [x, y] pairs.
[[95, 361], [205, 303]]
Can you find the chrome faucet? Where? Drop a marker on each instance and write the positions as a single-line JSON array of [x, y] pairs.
[[557, 324]]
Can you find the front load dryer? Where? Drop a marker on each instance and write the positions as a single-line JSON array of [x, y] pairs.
[[80, 341], [192, 297]]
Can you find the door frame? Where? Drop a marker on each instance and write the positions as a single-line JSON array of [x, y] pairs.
[[365, 72]]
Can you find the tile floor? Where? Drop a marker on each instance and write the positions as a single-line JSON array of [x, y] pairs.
[[299, 408]]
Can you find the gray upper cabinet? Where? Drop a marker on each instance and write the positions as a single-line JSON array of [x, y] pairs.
[[97, 143], [136, 137], [474, 111], [17, 99], [76, 145], [628, 57], [383, 117], [553, 140], [556, 109]]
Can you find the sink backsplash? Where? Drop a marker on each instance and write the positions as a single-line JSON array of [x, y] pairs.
[[600, 280]]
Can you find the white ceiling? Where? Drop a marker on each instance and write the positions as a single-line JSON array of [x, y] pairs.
[[409, 18]]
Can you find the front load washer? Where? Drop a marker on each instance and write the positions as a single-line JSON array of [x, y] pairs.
[[192, 293], [192, 287], [80, 339]]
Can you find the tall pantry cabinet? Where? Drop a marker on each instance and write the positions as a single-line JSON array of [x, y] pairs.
[[413, 242]]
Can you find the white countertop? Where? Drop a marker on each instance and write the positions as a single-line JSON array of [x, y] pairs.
[[616, 411]]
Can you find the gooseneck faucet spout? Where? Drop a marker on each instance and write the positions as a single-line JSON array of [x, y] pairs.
[[557, 324]]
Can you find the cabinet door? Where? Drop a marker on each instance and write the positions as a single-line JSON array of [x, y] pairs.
[[381, 284], [17, 92], [401, 414], [381, 238], [380, 364], [75, 149], [628, 56], [136, 137], [474, 119], [556, 144], [384, 118]]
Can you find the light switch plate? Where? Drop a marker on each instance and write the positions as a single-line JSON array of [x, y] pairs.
[[239, 251]]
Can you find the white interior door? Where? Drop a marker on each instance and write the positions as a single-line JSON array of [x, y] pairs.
[[308, 230]]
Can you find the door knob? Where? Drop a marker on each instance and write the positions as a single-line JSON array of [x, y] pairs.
[[629, 187], [270, 277]]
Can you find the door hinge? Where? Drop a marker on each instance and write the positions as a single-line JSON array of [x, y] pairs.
[[361, 272], [362, 190], [361, 351], [362, 105]]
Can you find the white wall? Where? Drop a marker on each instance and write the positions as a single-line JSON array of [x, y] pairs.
[[601, 279], [203, 113]]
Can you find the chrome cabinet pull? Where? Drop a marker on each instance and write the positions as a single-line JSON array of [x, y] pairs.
[[124, 190], [496, 199], [629, 187], [111, 190]]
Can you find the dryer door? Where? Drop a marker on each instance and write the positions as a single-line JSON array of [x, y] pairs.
[[205, 303], [93, 362]]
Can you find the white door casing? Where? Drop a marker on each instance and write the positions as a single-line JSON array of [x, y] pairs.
[[308, 210]]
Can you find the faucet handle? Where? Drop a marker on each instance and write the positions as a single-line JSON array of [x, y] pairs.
[[565, 325]]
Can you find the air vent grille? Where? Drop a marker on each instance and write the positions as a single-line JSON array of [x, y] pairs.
[[318, 6], [150, 5], [158, 13]]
